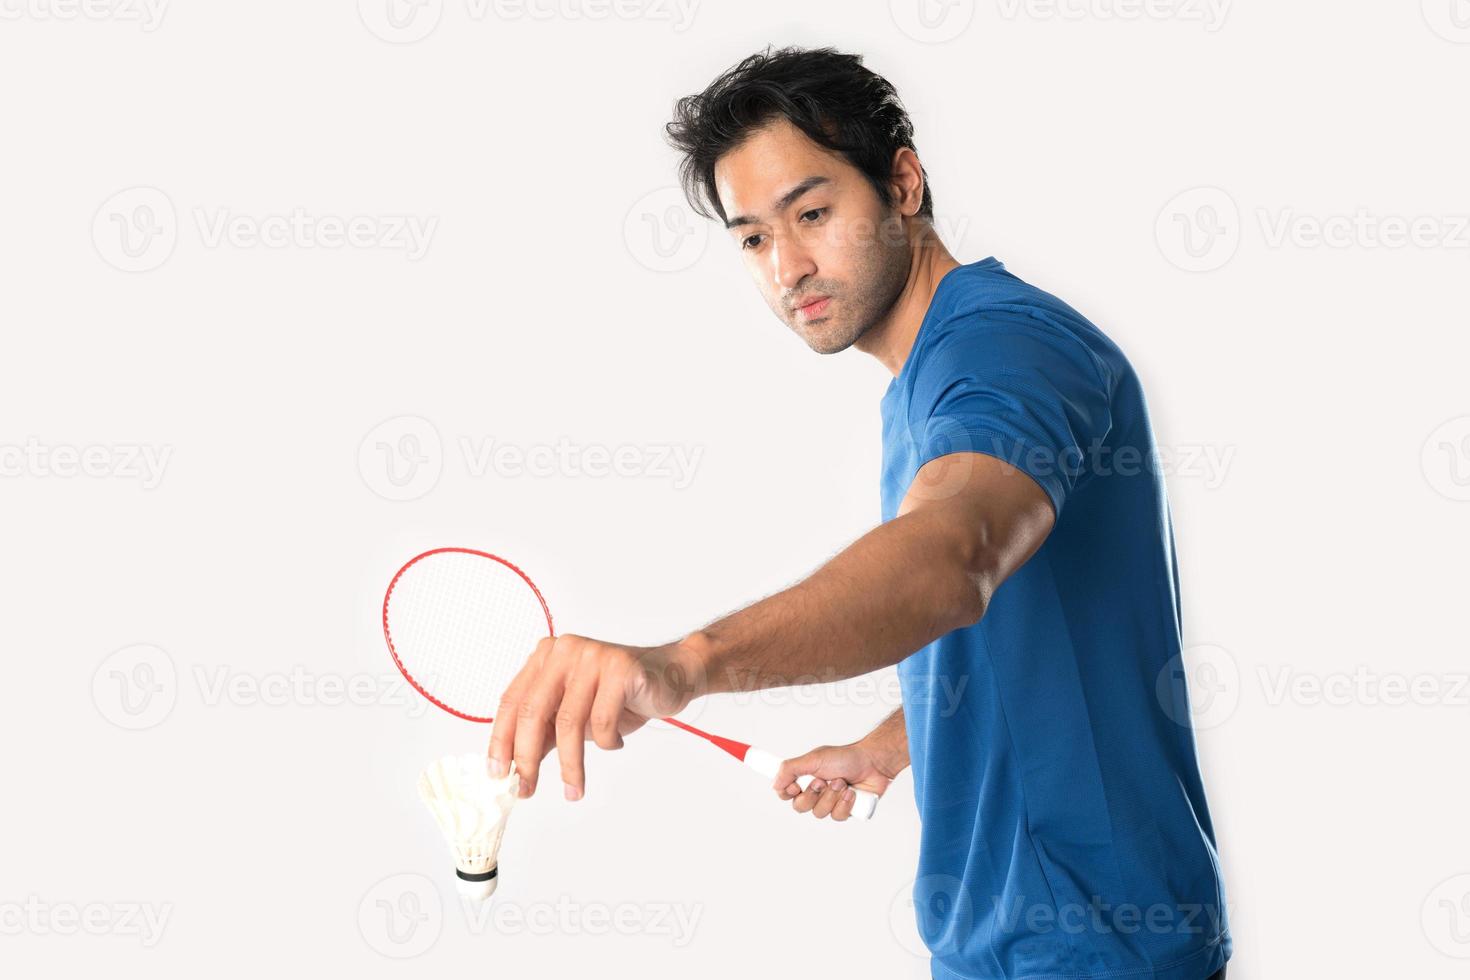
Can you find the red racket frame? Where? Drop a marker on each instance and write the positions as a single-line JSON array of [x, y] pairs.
[[388, 636]]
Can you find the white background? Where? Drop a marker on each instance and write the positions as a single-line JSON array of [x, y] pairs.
[[174, 728]]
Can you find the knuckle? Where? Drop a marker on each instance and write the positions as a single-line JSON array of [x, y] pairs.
[[570, 644]]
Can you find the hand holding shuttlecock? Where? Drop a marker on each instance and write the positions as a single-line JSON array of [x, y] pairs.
[[471, 807]]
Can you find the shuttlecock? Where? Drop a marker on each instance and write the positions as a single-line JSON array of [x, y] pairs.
[[471, 807]]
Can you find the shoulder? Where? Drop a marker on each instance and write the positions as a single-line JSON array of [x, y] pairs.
[[1016, 338]]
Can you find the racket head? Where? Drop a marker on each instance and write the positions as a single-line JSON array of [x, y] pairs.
[[460, 624]]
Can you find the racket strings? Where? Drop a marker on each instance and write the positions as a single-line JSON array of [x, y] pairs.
[[461, 625]]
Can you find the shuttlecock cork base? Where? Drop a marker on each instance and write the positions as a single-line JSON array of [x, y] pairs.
[[477, 886]]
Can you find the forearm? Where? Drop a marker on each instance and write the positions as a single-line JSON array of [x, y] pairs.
[[897, 588], [888, 744]]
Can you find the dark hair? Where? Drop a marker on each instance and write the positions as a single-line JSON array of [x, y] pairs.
[[826, 94]]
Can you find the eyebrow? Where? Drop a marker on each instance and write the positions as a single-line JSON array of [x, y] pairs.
[[785, 201]]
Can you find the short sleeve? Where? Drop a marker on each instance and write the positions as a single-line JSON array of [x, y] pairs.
[[1017, 389]]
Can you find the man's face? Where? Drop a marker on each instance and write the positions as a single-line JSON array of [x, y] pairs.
[[810, 227]]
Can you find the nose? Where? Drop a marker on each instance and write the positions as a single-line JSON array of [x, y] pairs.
[[790, 264]]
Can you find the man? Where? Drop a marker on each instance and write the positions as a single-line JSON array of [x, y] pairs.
[[1023, 580]]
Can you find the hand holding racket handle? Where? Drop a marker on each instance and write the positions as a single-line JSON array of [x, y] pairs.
[[768, 765]]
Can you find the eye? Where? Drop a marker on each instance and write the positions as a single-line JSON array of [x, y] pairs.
[[747, 242], [816, 211]]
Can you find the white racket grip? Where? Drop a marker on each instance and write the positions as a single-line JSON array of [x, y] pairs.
[[768, 765]]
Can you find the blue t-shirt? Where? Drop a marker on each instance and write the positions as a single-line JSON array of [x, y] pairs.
[[1065, 831]]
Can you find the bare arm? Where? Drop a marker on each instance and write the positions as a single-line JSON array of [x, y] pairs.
[[968, 521]]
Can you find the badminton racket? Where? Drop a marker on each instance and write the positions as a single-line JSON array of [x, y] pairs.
[[460, 624]]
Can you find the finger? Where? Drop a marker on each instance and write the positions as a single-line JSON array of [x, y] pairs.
[[607, 712], [843, 809], [828, 799], [629, 722], [502, 736], [809, 796], [536, 714], [801, 765], [571, 727]]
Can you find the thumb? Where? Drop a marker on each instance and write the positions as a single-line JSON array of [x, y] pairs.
[[802, 765]]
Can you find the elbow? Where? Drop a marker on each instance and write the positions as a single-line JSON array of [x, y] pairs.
[[973, 599], [975, 574]]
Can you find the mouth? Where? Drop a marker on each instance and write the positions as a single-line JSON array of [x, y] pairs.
[[814, 308]]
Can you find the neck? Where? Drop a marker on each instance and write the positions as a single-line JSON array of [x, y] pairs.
[[890, 339]]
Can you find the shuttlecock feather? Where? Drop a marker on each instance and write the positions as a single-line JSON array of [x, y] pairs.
[[471, 807]]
